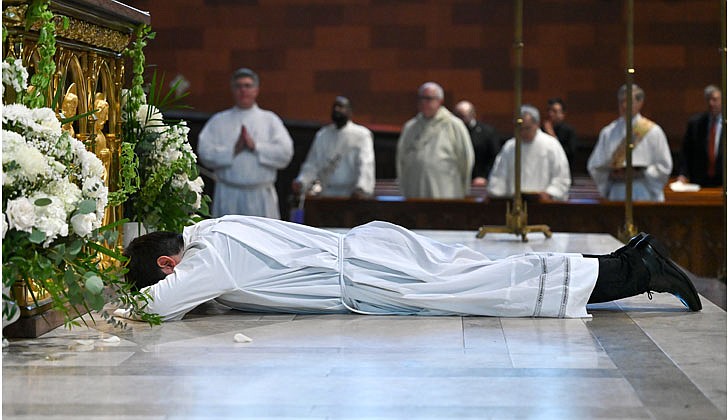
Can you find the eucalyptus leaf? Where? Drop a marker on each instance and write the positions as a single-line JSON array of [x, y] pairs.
[[43, 201], [75, 247], [86, 207], [37, 236], [94, 284]]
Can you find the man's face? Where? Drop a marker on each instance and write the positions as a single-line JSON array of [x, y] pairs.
[[528, 128], [245, 92], [636, 106], [428, 103], [714, 103], [556, 113]]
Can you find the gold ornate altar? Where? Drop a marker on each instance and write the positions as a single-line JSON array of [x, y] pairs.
[[89, 76]]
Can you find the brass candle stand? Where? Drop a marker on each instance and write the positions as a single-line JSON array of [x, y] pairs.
[[517, 215]]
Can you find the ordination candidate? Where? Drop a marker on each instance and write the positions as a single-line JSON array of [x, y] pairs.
[[245, 146], [264, 265]]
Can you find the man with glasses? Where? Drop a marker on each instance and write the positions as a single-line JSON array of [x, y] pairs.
[[245, 146], [434, 153]]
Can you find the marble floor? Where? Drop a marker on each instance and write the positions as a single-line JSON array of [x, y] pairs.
[[634, 359]]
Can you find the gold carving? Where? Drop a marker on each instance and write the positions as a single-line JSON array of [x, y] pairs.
[[69, 107], [78, 30], [15, 15], [91, 34]]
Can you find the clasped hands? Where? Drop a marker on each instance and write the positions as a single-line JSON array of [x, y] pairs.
[[245, 142]]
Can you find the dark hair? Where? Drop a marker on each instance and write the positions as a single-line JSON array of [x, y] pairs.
[[559, 101], [143, 253]]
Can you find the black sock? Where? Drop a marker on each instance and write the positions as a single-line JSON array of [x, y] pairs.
[[620, 276]]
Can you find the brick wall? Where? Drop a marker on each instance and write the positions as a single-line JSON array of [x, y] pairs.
[[378, 51]]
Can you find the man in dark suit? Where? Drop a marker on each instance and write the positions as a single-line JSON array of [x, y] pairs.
[[486, 142], [555, 126], [702, 159]]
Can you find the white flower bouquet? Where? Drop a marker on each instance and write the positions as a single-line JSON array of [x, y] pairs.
[[170, 193], [53, 201]]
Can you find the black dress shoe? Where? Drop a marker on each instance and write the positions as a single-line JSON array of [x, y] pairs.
[[665, 276]]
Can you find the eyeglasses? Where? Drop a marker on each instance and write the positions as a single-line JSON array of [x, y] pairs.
[[243, 85]]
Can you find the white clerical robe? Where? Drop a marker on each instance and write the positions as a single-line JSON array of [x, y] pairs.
[[544, 168], [245, 182], [435, 157], [652, 153], [341, 159], [259, 264]]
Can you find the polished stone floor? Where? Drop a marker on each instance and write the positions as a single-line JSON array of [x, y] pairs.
[[634, 359]]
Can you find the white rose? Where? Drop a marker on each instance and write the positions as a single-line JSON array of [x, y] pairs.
[[83, 224], [21, 214]]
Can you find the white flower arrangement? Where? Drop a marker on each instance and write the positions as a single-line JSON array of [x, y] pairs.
[[170, 194], [48, 177]]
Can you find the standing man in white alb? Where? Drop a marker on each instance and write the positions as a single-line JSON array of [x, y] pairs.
[[651, 157], [434, 154], [544, 166], [245, 146], [341, 157]]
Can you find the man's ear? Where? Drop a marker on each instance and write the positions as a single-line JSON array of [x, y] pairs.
[[167, 264]]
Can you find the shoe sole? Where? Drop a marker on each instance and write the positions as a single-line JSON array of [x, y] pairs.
[[663, 252]]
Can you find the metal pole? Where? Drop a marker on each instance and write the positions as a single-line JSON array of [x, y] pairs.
[[629, 228], [517, 89]]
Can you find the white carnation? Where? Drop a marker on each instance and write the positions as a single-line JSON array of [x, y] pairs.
[[21, 214], [32, 162], [17, 114], [83, 224], [11, 142], [67, 192], [46, 121]]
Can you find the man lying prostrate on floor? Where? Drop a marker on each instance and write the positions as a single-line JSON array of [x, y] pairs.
[[265, 265]]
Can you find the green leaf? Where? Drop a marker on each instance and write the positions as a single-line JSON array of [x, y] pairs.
[[37, 236], [75, 247], [42, 202], [94, 284], [86, 207]]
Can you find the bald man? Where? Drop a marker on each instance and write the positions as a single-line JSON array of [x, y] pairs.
[[485, 139], [434, 153]]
